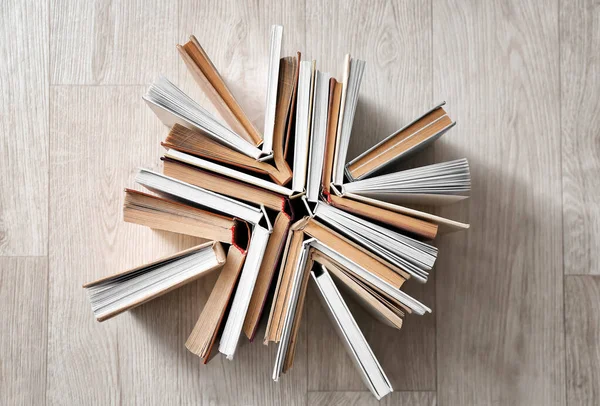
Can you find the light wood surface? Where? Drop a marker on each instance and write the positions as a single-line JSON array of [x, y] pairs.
[[23, 325], [24, 128], [366, 399], [508, 328], [582, 315], [579, 102], [500, 335]]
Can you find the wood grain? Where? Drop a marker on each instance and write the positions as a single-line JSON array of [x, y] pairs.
[[367, 399], [112, 42], [580, 85], [23, 293], [499, 286], [88, 361], [582, 325], [395, 41], [24, 128]]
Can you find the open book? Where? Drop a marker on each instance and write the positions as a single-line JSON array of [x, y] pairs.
[[281, 206], [407, 140], [408, 254], [117, 293], [436, 184], [356, 345]]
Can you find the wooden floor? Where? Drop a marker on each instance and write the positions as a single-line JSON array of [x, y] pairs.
[[516, 299]]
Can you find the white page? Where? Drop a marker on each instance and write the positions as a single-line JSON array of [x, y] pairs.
[[243, 293], [283, 347], [351, 335], [357, 68], [162, 184], [398, 295], [302, 127], [411, 255], [272, 82], [172, 105], [340, 123], [318, 136]]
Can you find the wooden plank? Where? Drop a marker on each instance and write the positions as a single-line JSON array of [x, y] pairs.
[[102, 42], [395, 41], [236, 37], [367, 399], [23, 294], [24, 128], [582, 326], [133, 357], [500, 333], [580, 84]]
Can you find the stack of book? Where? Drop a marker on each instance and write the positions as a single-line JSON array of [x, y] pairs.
[[283, 209]]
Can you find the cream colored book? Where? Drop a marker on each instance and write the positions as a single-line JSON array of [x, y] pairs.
[[402, 143], [241, 300], [437, 184], [172, 106], [117, 293], [415, 257], [210, 81], [355, 69], [357, 346], [203, 336], [377, 305], [169, 215]]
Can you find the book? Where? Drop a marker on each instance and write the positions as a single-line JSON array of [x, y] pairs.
[[203, 336], [115, 294], [172, 106], [292, 250], [402, 143], [354, 70], [414, 257], [371, 279], [303, 115], [195, 143], [437, 184], [418, 227], [376, 304], [243, 293], [356, 345], [210, 81], [288, 80], [333, 111], [318, 136], [292, 314], [444, 225], [272, 81], [268, 268], [176, 189], [343, 94], [169, 215], [226, 171], [289, 209], [378, 266], [222, 184]]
